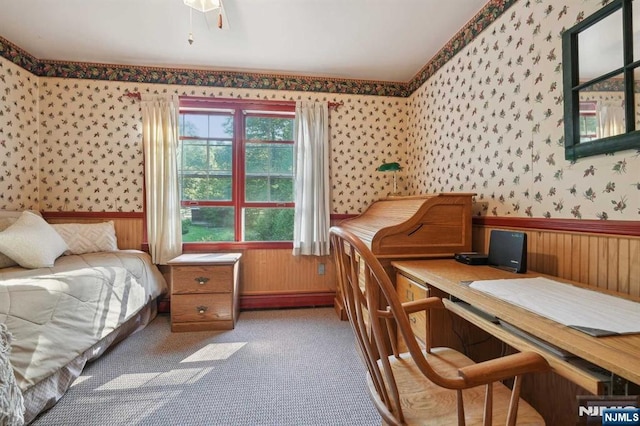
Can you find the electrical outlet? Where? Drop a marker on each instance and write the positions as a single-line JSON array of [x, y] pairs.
[[320, 268]]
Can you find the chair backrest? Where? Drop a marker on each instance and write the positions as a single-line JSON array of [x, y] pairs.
[[374, 312], [379, 319]]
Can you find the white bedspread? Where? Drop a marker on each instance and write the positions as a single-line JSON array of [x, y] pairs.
[[55, 314]]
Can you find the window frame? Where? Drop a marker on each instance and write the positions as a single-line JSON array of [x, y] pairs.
[[584, 113], [572, 85], [240, 109]]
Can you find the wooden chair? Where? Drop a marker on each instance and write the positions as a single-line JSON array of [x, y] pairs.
[[436, 386]]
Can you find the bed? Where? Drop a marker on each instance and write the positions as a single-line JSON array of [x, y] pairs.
[[61, 316]]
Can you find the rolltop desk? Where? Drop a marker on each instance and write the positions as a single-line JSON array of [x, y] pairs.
[[412, 227]]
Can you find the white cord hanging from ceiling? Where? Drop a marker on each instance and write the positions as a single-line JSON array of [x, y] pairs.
[[213, 11]]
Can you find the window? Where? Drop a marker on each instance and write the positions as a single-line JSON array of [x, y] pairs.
[[602, 54], [235, 166], [588, 121]]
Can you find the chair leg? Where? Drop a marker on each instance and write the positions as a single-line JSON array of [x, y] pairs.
[[512, 415], [488, 405], [461, 420]]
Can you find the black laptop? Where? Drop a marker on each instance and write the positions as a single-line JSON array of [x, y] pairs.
[[508, 250]]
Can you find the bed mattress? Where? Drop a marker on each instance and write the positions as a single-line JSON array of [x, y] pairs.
[[63, 316]]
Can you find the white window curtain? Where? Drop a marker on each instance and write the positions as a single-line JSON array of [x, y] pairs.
[[610, 118], [160, 118], [311, 219]]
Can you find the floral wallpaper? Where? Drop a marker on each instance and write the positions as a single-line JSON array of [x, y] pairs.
[[91, 154], [483, 116], [490, 121], [18, 138], [90, 148]]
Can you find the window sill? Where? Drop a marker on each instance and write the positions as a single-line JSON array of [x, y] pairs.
[[238, 245]]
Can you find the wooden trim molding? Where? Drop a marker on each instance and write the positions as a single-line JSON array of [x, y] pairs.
[[286, 300], [92, 215], [235, 245], [271, 301], [164, 305], [612, 227]]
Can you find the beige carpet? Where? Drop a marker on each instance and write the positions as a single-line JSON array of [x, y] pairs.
[[277, 367]]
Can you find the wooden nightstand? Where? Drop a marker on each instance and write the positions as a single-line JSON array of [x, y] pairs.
[[204, 291]]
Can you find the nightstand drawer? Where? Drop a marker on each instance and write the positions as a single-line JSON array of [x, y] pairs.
[[202, 279], [197, 308], [204, 291]]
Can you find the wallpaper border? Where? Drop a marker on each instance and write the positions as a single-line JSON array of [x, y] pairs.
[[243, 80], [485, 17]]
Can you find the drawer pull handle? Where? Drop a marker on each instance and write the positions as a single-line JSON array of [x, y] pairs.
[[201, 309], [413, 319], [202, 280], [409, 295]]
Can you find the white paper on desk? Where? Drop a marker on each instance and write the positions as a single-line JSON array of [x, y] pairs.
[[566, 304]]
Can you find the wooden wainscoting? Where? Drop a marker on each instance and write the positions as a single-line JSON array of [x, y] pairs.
[[129, 226], [276, 278], [269, 278], [599, 253], [604, 254]]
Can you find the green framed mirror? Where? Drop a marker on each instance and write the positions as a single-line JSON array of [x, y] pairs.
[[601, 79]]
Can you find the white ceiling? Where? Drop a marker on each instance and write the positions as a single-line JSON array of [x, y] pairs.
[[389, 40]]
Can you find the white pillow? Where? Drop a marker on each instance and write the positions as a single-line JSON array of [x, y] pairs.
[[87, 237], [5, 222], [32, 242]]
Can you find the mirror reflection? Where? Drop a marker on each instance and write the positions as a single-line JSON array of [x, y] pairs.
[[600, 48], [601, 77], [602, 109]]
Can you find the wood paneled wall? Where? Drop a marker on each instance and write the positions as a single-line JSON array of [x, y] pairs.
[[599, 253], [274, 278], [278, 271], [129, 228], [265, 274], [608, 261]]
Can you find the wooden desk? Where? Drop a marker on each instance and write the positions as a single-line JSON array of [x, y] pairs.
[[619, 355], [420, 226]]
